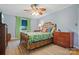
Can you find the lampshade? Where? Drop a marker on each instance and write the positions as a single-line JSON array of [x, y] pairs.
[[2, 16], [39, 25]]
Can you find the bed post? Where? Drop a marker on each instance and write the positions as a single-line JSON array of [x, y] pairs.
[[24, 41]]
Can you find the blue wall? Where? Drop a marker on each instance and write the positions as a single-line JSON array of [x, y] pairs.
[[78, 26], [11, 22], [34, 24], [66, 21]]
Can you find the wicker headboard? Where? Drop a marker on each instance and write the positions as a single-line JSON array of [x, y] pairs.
[[48, 24]]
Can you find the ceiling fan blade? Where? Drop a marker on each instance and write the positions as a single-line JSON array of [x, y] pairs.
[[26, 10], [42, 9], [35, 8]]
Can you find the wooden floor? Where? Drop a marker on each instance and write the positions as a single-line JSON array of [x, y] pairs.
[[15, 49], [74, 52]]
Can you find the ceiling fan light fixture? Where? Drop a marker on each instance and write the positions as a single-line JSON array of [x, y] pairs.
[[35, 13], [37, 10], [40, 13]]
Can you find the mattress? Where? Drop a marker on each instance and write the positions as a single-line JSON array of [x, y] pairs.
[[38, 36]]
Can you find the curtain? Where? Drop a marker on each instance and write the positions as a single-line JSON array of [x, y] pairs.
[[18, 25], [28, 24]]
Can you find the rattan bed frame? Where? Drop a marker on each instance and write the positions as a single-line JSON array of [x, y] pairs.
[[24, 41]]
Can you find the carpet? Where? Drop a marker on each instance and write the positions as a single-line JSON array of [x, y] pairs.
[[15, 49]]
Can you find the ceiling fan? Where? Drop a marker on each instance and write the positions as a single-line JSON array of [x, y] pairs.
[[36, 10]]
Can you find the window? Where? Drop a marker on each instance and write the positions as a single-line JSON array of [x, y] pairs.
[[24, 24]]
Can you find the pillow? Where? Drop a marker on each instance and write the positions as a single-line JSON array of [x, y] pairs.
[[49, 29], [44, 30], [53, 29]]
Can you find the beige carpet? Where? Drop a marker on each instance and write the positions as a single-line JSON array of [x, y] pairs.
[[51, 49]]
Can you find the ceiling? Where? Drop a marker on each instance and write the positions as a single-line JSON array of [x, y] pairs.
[[18, 9]]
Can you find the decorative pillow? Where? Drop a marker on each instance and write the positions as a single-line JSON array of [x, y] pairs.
[[53, 29], [44, 30], [49, 29]]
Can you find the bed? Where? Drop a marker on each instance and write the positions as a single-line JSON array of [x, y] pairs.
[[34, 40]]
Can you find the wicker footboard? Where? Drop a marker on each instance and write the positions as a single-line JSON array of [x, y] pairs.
[[24, 39], [39, 44]]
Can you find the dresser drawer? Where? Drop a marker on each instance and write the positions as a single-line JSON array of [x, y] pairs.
[[64, 39], [56, 34]]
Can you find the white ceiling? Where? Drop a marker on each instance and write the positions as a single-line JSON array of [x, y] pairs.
[[18, 9]]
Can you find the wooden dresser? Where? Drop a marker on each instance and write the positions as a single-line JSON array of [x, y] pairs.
[[64, 39], [3, 38]]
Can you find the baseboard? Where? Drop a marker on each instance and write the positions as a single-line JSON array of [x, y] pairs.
[[14, 39], [77, 47]]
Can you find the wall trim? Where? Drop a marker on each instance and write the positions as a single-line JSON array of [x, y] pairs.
[[76, 47], [14, 38]]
